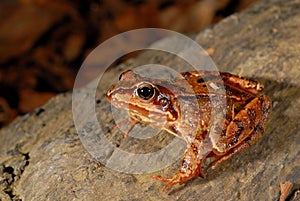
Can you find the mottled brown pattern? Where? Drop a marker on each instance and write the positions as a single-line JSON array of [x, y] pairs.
[[173, 99]]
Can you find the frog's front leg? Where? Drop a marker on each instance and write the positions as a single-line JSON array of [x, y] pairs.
[[131, 123], [244, 130], [190, 167]]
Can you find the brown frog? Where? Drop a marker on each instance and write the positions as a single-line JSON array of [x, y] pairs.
[[218, 114]]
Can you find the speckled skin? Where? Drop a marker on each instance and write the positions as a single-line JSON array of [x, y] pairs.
[[217, 114]]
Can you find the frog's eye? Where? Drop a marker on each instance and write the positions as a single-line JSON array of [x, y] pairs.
[[145, 91]]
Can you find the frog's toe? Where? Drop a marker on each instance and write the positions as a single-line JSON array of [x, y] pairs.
[[176, 179], [171, 181], [163, 179], [169, 185]]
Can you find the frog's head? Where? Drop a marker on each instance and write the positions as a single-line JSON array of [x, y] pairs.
[[147, 100]]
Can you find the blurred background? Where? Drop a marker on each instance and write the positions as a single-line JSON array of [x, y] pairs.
[[44, 42]]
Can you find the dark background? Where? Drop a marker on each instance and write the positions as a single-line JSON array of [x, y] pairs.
[[44, 42]]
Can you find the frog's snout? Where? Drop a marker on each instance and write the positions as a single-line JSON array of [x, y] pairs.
[[109, 92]]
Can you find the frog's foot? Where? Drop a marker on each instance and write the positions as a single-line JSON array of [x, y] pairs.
[[179, 177], [176, 179], [191, 165]]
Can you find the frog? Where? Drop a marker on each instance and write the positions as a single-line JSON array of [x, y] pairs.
[[217, 114]]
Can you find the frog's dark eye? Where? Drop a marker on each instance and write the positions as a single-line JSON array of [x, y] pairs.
[[145, 91]]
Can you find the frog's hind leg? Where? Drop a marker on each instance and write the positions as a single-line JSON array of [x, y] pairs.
[[246, 128], [190, 168], [254, 137]]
